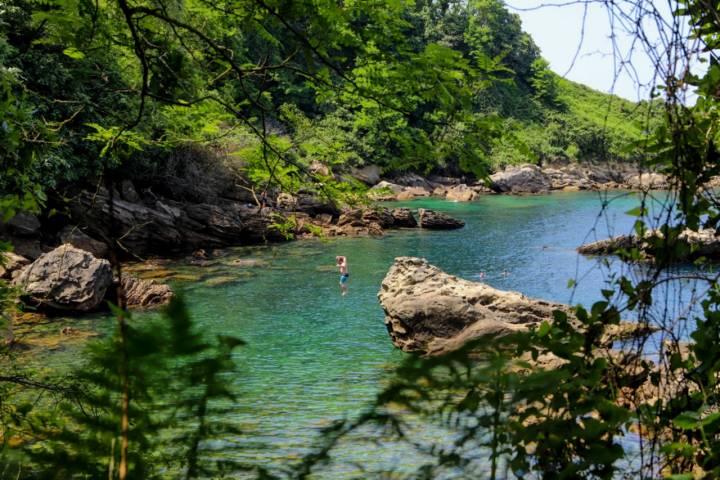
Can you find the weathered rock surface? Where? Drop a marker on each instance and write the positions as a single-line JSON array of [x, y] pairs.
[[461, 193], [11, 263], [432, 312], [403, 218], [79, 239], [647, 181], [385, 191], [703, 243], [164, 226], [362, 217], [66, 278], [145, 293], [369, 174], [22, 224], [521, 179], [410, 193], [433, 220]]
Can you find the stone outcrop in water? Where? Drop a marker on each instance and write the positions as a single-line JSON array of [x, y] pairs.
[[431, 312], [433, 220], [66, 278], [145, 293], [403, 218], [702, 243]]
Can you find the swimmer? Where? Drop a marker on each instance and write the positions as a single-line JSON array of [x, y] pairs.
[[344, 273]]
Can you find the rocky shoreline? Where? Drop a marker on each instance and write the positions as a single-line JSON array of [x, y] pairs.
[[689, 245], [432, 313], [518, 180], [159, 221]]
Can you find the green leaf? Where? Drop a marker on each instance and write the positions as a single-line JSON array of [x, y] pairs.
[[74, 53], [687, 421], [544, 329]]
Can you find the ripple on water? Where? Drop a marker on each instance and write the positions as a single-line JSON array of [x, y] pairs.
[[313, 356]]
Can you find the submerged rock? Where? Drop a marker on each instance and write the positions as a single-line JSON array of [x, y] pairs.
[[66, 278], [145, 293], [433, 220]]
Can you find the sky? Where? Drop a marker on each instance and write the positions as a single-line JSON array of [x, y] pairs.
[[558, 31]]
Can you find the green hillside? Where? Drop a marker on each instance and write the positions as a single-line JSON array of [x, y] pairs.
[[428, 86]]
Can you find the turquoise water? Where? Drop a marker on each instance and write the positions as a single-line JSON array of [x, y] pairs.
[[314, 356]]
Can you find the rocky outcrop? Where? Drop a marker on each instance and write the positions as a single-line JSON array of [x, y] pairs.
[[521, 179], [163, 226], [66, 278], [647, 181], [433, 220], [11, 264], [79, 239], [702, 243], [369, 174], [363, 217], [145, 293], [23, 230], [410, 193], [432, 312], [403, 218], [385, 191], [23, 224]]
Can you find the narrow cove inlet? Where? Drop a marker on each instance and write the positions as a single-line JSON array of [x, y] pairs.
[[314, 356]]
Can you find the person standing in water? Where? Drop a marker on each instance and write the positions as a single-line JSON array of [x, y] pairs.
[[344, 273]]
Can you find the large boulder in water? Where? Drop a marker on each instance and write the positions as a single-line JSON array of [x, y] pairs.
[[403, 218], [66, 278], [432, 312], [432, 220], [521, 179]]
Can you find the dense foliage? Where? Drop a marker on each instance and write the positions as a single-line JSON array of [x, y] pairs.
[[116, 88], [92, 91]]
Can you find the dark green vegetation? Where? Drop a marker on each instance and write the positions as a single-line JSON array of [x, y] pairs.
[[97, 92]]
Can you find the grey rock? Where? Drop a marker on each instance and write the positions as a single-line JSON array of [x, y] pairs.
[[66, 278], [521, 179], [77, 238], [403, 218], [23, 224], [433, 220], [369, 174], [432, 312], [11, 263]]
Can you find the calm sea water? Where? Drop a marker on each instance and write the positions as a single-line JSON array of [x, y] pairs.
[[314, 356]]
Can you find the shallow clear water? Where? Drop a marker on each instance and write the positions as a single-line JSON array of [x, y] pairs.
[[314, 356]]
